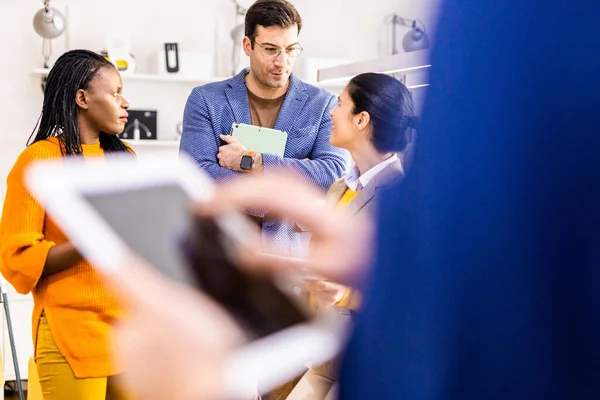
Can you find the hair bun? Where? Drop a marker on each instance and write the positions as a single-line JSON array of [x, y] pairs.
[[413, 122]]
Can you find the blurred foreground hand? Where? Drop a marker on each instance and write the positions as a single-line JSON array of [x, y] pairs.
[[341, 244], [173, 341], [325, 292]]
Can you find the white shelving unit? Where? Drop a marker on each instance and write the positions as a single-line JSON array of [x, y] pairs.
[[334, 86], [406, 63], [192, 80], [152, 143], [153, 77], [412, 68]]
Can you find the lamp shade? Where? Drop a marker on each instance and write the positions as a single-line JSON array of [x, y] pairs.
[[49, 23], [415, 39]]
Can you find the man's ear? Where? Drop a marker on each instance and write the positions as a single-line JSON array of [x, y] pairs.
[[247, 45], [81, 99]]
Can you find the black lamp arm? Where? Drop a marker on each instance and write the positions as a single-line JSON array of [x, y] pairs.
[[239, 9], [413, 23], [395, 19]]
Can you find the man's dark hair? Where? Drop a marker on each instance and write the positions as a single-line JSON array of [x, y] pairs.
[[271, 13]]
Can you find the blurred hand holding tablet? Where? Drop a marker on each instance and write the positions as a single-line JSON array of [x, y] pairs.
[[122, 206]]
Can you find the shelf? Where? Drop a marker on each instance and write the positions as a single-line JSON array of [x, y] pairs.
[[339, 84], [188, 79], [152, 143], [404, 63], [170, 78], [152, 77]]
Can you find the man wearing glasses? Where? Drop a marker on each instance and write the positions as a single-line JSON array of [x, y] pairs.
[[267, 95]]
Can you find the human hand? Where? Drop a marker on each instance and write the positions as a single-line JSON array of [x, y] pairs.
[[173, 341], [341, 245], [230, 155], [325, 292]]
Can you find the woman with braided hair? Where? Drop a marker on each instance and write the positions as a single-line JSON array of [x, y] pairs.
[[83, 111]]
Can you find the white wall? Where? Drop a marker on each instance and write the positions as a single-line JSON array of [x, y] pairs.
[[350, 29]]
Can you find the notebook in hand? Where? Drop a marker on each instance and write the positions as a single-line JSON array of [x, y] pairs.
[[259, 139]]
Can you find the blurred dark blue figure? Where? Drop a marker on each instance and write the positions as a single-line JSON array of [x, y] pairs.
[[487, 281]]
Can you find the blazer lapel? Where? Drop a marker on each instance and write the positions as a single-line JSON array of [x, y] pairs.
[[361, 199], [335, 192], [237, 96], [384, 177], [292, 105]]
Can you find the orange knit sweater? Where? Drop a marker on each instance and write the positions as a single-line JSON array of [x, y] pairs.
[[78, 306]]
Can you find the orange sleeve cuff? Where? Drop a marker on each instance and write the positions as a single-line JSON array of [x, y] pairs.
[[22, 260]]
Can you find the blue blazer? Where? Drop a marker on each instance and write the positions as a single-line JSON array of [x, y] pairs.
[[212, 108]]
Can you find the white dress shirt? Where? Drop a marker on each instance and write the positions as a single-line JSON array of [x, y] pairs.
[[355, 181]]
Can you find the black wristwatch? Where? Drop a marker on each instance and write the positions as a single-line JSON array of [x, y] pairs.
[[247, 161]]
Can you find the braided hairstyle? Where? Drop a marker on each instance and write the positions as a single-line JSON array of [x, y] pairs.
[[72, 71], [390, 107]]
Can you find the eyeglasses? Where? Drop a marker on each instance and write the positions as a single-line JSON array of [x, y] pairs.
[[270, 51]]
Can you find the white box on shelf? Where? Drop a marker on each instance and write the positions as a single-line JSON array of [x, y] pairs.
[[192, 64]]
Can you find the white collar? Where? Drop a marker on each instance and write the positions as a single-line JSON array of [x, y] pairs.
[[355, 181]]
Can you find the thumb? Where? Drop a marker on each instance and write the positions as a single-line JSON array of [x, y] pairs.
[[227, 139]]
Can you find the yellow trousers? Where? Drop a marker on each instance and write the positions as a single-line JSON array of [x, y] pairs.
[[57, 379]]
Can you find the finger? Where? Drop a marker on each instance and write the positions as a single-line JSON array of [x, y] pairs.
[[308, 286], [227, 139], [281, 195], [263, 262]]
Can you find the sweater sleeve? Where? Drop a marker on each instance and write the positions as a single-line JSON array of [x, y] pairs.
[[23, 248]]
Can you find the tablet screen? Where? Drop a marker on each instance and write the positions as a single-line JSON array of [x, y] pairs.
[[155, 222], [151, 221]]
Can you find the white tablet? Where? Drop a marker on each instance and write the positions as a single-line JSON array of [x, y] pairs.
[[260, 139], [109, 208]]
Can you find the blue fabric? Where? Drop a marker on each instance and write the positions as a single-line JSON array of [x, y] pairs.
[[487, 274], [304, 115]]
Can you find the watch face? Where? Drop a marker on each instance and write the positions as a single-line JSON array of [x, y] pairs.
[[246, 162]]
